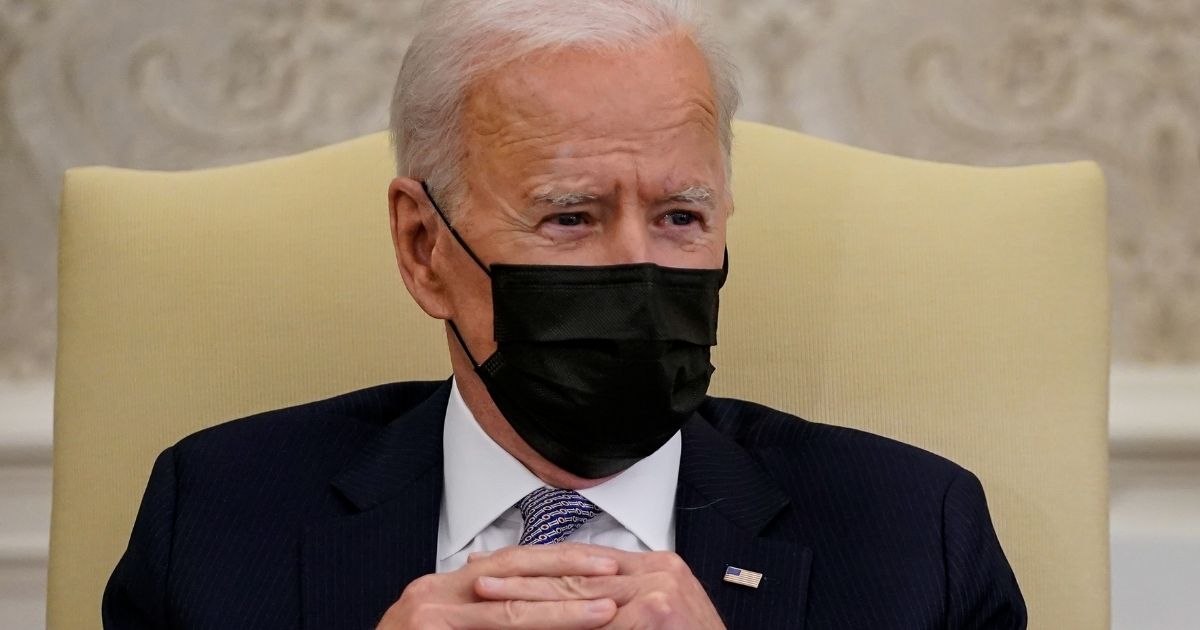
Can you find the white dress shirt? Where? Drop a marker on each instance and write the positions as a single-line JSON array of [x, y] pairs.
[[482, 484]]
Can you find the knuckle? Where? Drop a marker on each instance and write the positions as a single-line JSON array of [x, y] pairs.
[[503, 561], [573, 586], [514, 612], [672, 562], [658, 605], [667, 582], [421, 587]]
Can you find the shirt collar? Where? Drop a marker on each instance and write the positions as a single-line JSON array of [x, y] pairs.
[[482, 481], [642, 498]]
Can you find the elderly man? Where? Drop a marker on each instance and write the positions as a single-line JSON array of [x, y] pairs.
[[562, 206]]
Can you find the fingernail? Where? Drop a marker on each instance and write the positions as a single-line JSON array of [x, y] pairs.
[[490, 583], [600, 606], [478, 555]]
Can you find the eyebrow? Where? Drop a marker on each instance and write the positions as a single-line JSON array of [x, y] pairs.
[[564, 200], [694, 194], [699, 195]]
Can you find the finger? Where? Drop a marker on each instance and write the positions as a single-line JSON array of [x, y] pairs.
[[643, 562], [619, 588], [477, 555], [563, 546], [545, 560], [629, 562], [518, 615]]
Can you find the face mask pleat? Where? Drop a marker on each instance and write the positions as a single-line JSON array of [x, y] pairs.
[[551, 304]]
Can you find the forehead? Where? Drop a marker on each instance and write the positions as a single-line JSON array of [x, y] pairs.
[[651, 93]]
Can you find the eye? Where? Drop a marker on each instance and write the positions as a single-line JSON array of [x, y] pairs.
[[571, 219], [681, 218]]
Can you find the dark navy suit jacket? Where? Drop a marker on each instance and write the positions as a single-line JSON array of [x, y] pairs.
[[318, 516]]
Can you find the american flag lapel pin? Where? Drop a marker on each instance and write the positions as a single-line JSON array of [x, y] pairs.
[[735, 575]]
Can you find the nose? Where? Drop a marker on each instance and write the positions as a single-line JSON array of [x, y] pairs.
[[629, 240]]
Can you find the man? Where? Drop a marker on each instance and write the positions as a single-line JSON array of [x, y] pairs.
[[562, 206]]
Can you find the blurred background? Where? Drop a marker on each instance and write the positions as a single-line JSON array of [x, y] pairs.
[[181, 84]]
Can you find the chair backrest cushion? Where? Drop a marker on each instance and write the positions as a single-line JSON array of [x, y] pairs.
[[961, 309]]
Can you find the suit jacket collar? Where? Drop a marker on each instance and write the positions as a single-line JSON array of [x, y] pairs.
[[405, 449], [715, 467], [723, 473], [354, 567]]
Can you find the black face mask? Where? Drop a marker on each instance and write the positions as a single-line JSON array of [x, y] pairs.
[[597, 367]]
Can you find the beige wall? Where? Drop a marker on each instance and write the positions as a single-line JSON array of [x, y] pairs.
[[174, 84]]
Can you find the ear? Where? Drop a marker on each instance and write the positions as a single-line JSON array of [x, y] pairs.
[[415, 236]]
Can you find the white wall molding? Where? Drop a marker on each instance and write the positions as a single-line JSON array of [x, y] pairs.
[[1154, 412], [26, 428], [26, 412], [1154, 506]]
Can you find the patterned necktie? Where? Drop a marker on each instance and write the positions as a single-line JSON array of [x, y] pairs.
[[552, 514]]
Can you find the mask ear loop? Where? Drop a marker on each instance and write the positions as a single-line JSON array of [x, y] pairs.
[[458, 237], [463, 344], [453, 232]]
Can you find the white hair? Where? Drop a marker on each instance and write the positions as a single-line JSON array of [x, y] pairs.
[[461, 40]]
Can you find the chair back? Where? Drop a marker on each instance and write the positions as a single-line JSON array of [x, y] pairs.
[[961, 309]]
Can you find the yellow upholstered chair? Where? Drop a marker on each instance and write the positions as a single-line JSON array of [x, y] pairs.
[[961, 309]]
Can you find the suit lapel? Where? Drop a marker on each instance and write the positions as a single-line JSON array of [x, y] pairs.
[[354, 567], [724, 502]]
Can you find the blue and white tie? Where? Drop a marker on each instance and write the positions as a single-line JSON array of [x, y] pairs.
[[552, 514]]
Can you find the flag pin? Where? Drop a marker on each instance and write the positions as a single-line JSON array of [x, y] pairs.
[[735, 575]]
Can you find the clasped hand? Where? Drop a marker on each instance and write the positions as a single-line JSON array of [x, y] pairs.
[[565, 586]]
